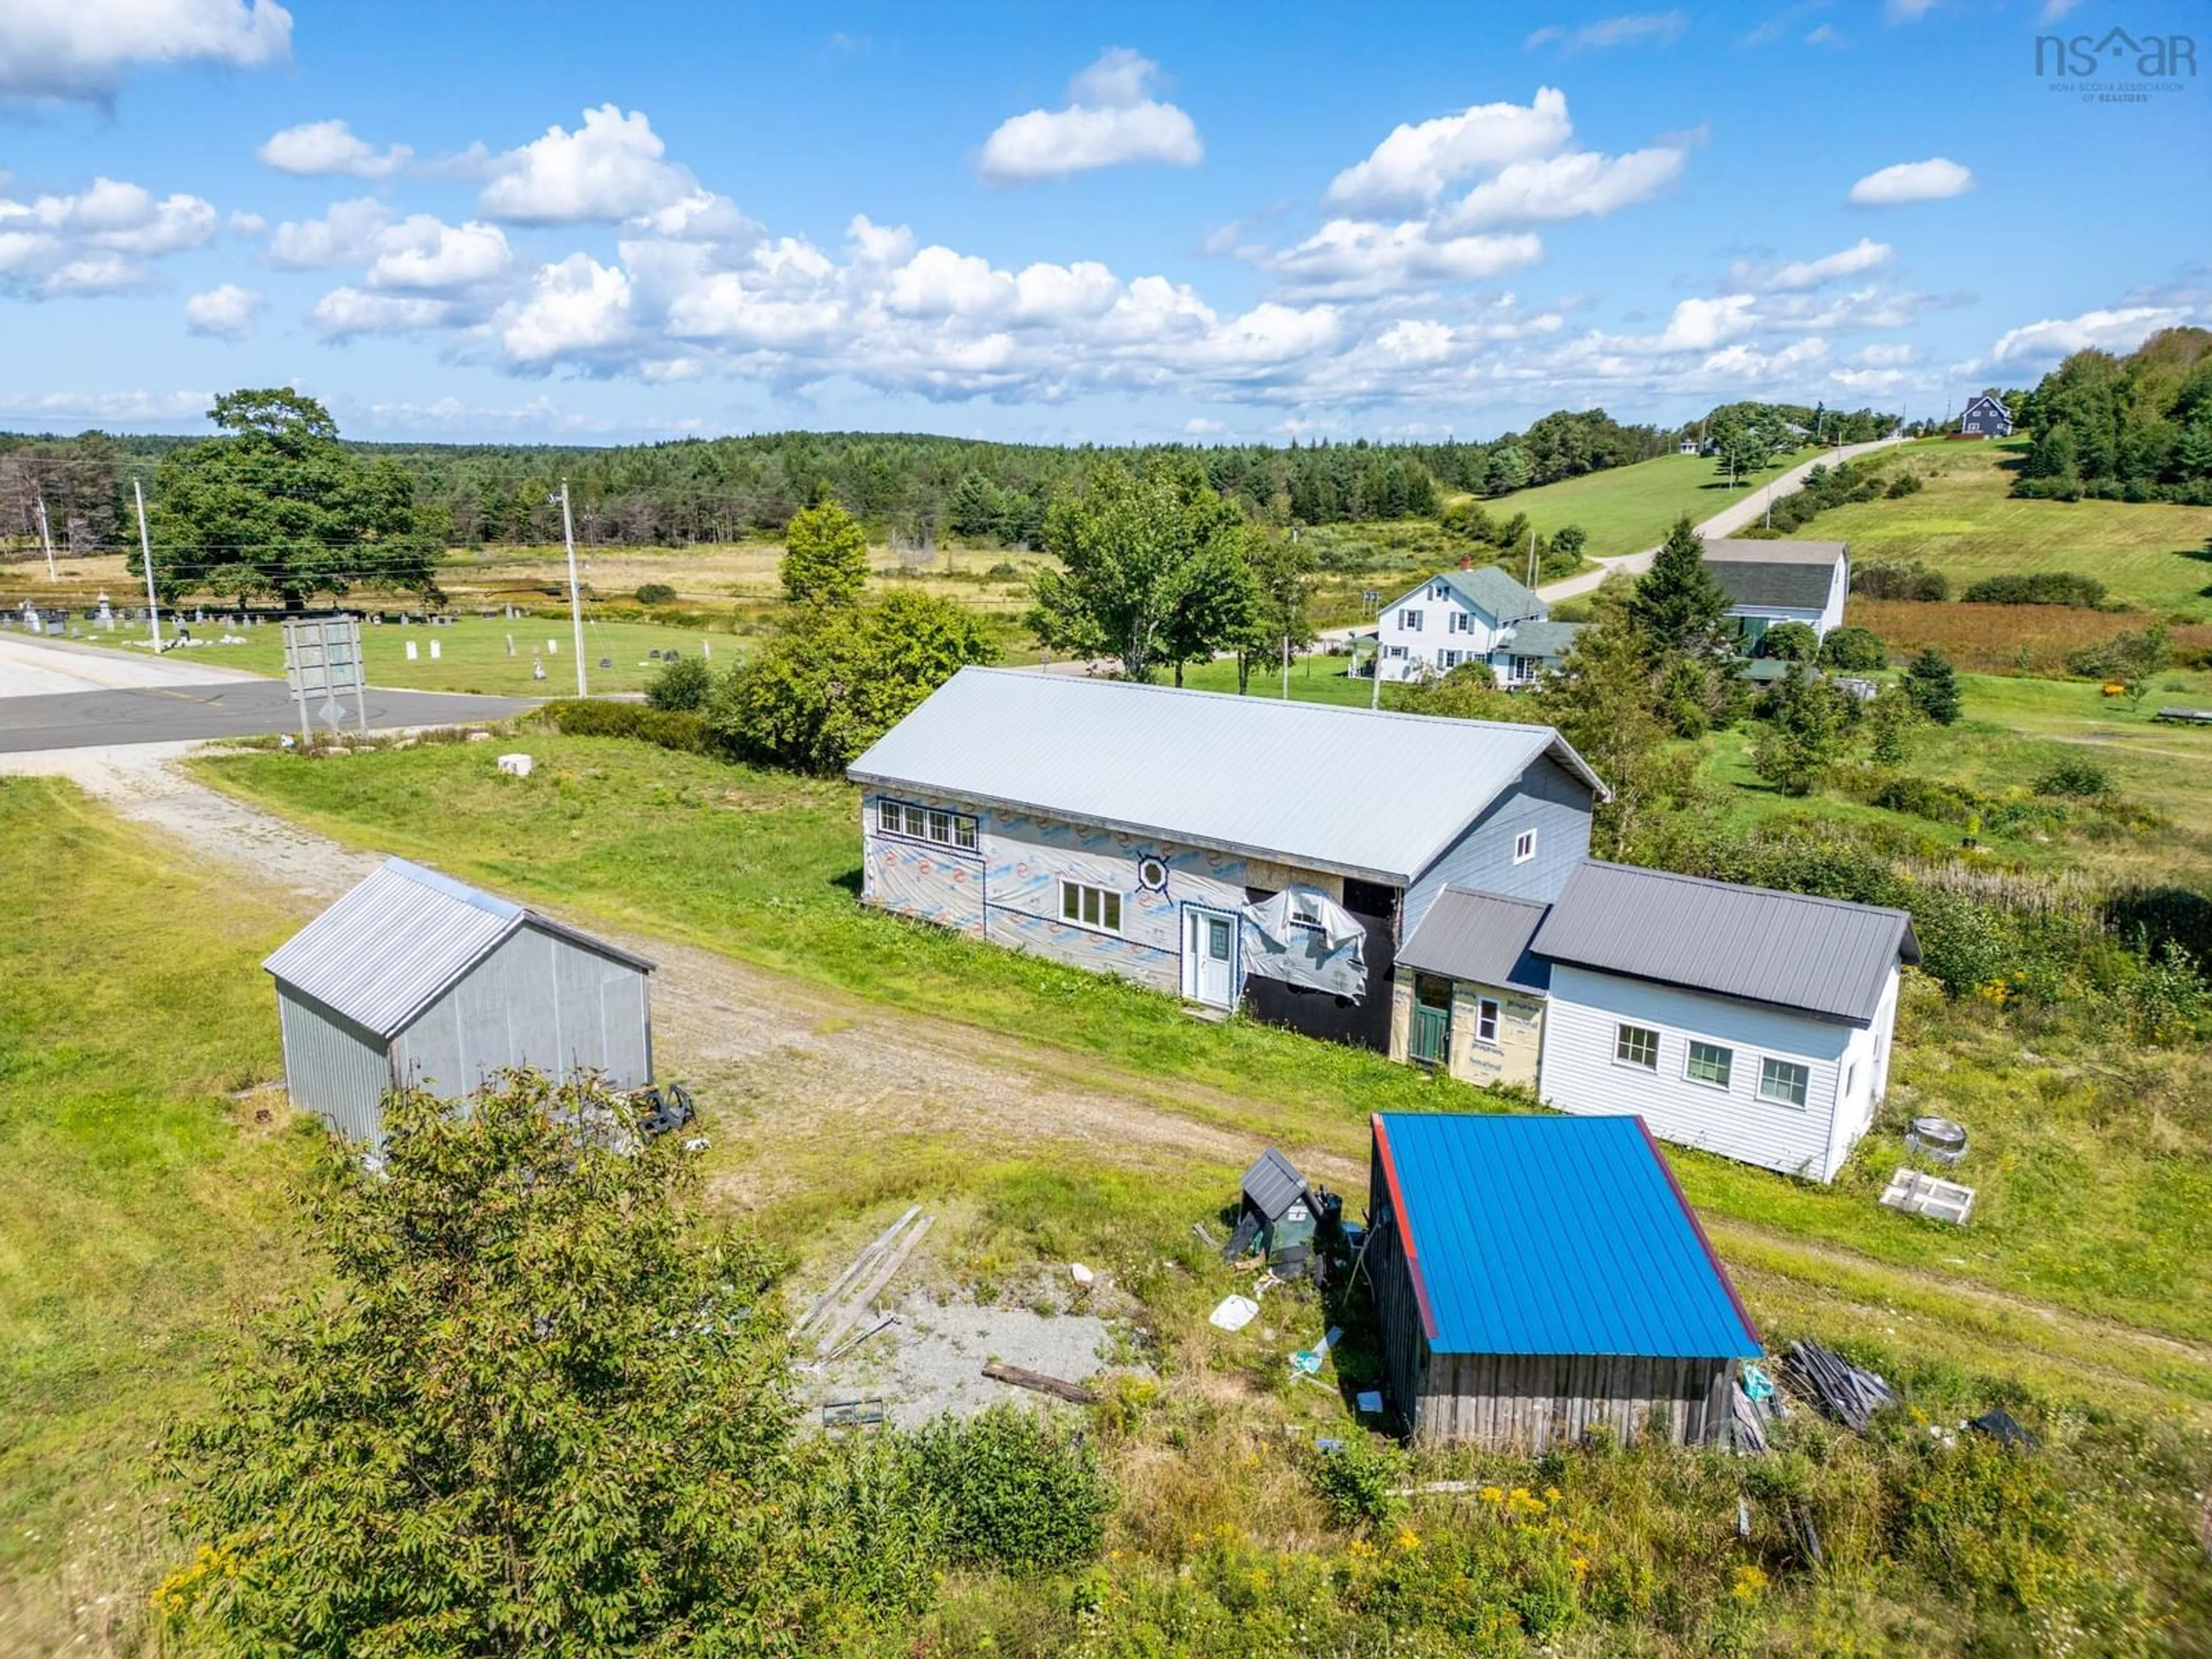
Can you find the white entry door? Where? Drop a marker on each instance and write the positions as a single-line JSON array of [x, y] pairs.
[[1209, 956]]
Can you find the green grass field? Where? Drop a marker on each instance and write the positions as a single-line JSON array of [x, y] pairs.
[[1962, 523], [1628, 508], [472, 653], [139, 1202], [763, 866]]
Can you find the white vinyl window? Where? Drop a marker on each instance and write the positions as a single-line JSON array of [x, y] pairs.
[[1410, 621], [887, 816], [963, 833], [1090, 907], [1524, 847], [1635, 1045], [1485, 1019], [1709, 1064], [1782, 1081], [930, 823]]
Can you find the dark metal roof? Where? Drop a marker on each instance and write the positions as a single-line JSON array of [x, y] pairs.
[[1530, 1235], [1782, 576], [1272, 1184], [1824, 956], [1483, 937], [393, 945]]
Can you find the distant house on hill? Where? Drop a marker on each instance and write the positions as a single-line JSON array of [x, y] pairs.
[[1985, 417], [1777, 581]]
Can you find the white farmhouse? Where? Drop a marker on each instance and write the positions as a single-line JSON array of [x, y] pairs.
[[1459, 617], [1777, 581]]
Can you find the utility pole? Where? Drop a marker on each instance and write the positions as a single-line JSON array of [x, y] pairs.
[[1287, 668], [1375, 691], [146, 553], [46, 539], [1532, 558], [576, 594]]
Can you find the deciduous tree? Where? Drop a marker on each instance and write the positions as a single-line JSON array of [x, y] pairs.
[[825, 555]]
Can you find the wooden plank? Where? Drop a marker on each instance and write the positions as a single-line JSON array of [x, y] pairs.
[[881, 1242], [1060, 1388], [859, 1305]]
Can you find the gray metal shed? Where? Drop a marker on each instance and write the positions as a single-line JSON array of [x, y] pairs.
[[414, 978]]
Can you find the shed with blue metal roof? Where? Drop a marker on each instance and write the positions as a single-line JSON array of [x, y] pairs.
[[1539, 1280]]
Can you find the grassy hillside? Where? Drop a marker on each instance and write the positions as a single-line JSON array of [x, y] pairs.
[[1963, 524], [1628, 508]]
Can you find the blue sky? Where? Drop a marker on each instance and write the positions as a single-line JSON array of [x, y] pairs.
[[567, 223]]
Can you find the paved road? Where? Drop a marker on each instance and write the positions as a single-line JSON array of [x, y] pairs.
[[56, 695], [1736, 516]]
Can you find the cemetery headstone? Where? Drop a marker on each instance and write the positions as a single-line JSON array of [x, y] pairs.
[[410, 651], [435, 645]]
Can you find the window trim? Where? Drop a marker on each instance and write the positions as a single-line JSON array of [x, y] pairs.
[[1726, 1081], [1529, 838], [1804, 1087], [1088, 907], [1488, 1011], [1620, 1030], [962, 830]]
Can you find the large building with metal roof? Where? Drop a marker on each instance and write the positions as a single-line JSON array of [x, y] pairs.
[[1539, 1281], [1236, 850], [413, 979]]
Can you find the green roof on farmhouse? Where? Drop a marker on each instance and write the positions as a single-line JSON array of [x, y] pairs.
[[1487, 588]]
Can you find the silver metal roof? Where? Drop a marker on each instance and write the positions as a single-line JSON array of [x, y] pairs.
[[395, 943], [1373, 795], [1482, 937], [1822, 957], [1272, 1184]]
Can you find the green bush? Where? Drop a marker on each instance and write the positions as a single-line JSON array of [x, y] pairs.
[[1357, 1482], [655, 593], [2076, 776], [1017, 1493], [1904, 484], [2038, 587], [597, 717], [1789, 642], [684, 685], [1854, 650], [1894, 578]]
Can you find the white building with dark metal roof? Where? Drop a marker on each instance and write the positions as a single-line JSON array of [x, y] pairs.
[[1234, 850], [1777, 581], [413, 979]]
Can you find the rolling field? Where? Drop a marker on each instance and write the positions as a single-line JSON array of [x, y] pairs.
[[1628, 508], [1962, 523]]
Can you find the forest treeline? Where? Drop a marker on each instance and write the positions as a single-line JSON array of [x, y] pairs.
[[919, 487], [2134, 428]]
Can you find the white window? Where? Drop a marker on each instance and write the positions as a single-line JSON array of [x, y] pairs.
[[1782, 1081], [940, 827], [1410, 621], [1524, 668], [929, 823], [917, 824], [1441, 591], [1710, 1063], [1635, 1045], [1461, 623], [1397, 650], [963, 832], [1090, 907], [1524, 847], [1447, 659], [1485, 1019], [887, 816]]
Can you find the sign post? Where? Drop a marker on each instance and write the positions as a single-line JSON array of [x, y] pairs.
[[322, 659]]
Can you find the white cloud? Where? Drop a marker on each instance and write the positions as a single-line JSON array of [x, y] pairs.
[[346, 311], [98, 241], [1200, 426], [1583, 185], [2054, 10], [1907, 11], [1865, 254], [2122, 330], [1885, 357], [137, 408], [610, 168], [1357, 256], [1933, 180], [1111, 119], [227, 313], [346, 235], [576, 309], [426, 255], [1663, 26], [243, 223], [83, 50], [1417, 161], [1698, 324], [319, 149]]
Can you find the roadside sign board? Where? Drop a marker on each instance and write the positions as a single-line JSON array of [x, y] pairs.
[[322, 661]]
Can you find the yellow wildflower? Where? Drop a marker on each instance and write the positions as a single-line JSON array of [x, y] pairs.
[[1408, 1538], [1749, 1582]]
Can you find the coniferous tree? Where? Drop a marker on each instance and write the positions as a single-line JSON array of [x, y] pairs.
[[825, 555], [1933, 686], [1677, 604]]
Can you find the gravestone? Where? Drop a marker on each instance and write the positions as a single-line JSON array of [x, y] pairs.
[[706, 648], [510, 645], [435, 646], [410, 651], [537, 668], [552, 648]]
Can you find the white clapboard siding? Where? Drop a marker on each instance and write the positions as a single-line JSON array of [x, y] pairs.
[[1578, 1074]]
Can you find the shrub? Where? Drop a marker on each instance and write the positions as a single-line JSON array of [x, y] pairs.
[[598, 717], [2076, 775], [655, 593], [1854, 650], [1357, 1482], [1004, 571], [1789, 642], [1904, 484], [2167, 999], [1017, 1493], [2038, 587], [1894, 578], [684, 685]]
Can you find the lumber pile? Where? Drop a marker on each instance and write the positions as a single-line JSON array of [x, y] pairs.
[[1839, 1388], [876, 1266]]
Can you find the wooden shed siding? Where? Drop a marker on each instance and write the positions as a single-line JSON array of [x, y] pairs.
[[1531, 1402]]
